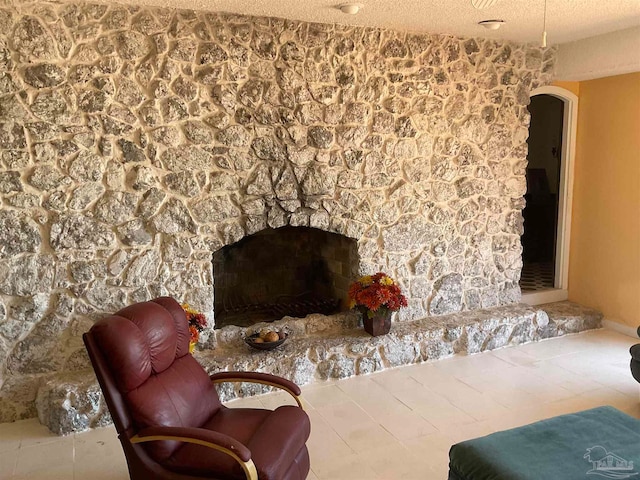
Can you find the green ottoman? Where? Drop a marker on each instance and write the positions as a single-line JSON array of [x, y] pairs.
[[598, 443]]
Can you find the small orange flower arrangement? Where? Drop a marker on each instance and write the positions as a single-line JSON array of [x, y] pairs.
[[197, 323], [376, 292]]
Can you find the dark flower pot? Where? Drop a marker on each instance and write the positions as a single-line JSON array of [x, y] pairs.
[[378, 324]]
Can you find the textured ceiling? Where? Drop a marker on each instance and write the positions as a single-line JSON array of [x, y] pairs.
[[567, 20]]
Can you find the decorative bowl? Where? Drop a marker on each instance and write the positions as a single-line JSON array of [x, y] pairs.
[[250, 340]]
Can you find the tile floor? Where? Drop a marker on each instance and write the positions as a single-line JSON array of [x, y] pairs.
[[396, 424], [536, 276]]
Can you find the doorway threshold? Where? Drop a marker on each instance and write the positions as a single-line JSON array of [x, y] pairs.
[[545, 296]]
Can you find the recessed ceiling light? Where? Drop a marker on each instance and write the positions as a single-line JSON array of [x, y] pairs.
[[492, 24], [350, 8]]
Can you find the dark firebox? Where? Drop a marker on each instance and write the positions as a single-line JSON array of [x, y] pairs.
[[289, 271]]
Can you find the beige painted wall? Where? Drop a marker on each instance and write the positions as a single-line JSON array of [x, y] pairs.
[[613, 53], [604, 269]]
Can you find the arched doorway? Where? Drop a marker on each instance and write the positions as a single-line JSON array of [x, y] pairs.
[[549, 196]]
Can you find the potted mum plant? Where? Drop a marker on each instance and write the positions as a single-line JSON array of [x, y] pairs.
[[197, 321], [376, 297]]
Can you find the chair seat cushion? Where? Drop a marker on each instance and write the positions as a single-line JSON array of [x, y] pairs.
[[564, 447], [299, 469], [275, 438]]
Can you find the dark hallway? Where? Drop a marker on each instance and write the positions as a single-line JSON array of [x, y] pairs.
[[543, 181]]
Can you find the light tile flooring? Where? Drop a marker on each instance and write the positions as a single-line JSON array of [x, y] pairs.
[[396, 424]]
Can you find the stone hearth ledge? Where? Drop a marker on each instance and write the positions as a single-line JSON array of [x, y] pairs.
[[329, 348]]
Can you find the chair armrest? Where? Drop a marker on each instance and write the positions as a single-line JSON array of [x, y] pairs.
[[207, 438], [262, 378]]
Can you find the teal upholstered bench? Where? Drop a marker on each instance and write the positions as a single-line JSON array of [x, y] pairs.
[[598, 443]]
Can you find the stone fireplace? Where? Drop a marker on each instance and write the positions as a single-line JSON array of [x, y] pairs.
[[289, 271], [135, 142]]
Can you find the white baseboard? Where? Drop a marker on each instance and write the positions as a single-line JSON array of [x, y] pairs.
[[620, 328], [545, 296]]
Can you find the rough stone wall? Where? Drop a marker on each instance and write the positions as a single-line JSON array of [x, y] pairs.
[[135, 142]]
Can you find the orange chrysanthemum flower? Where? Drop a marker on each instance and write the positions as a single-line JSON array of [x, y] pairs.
[[197, 322], [375, 292]]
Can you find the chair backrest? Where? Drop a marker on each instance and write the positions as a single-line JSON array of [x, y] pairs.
[[142, 361]]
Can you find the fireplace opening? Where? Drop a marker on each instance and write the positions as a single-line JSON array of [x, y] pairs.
[[289, 271]]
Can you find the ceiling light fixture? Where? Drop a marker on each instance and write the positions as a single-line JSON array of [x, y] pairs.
[[544, 26], [492, 24], [350, 8], [482, 4]]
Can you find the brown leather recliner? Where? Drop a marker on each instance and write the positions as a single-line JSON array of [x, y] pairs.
[[167, 412]]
